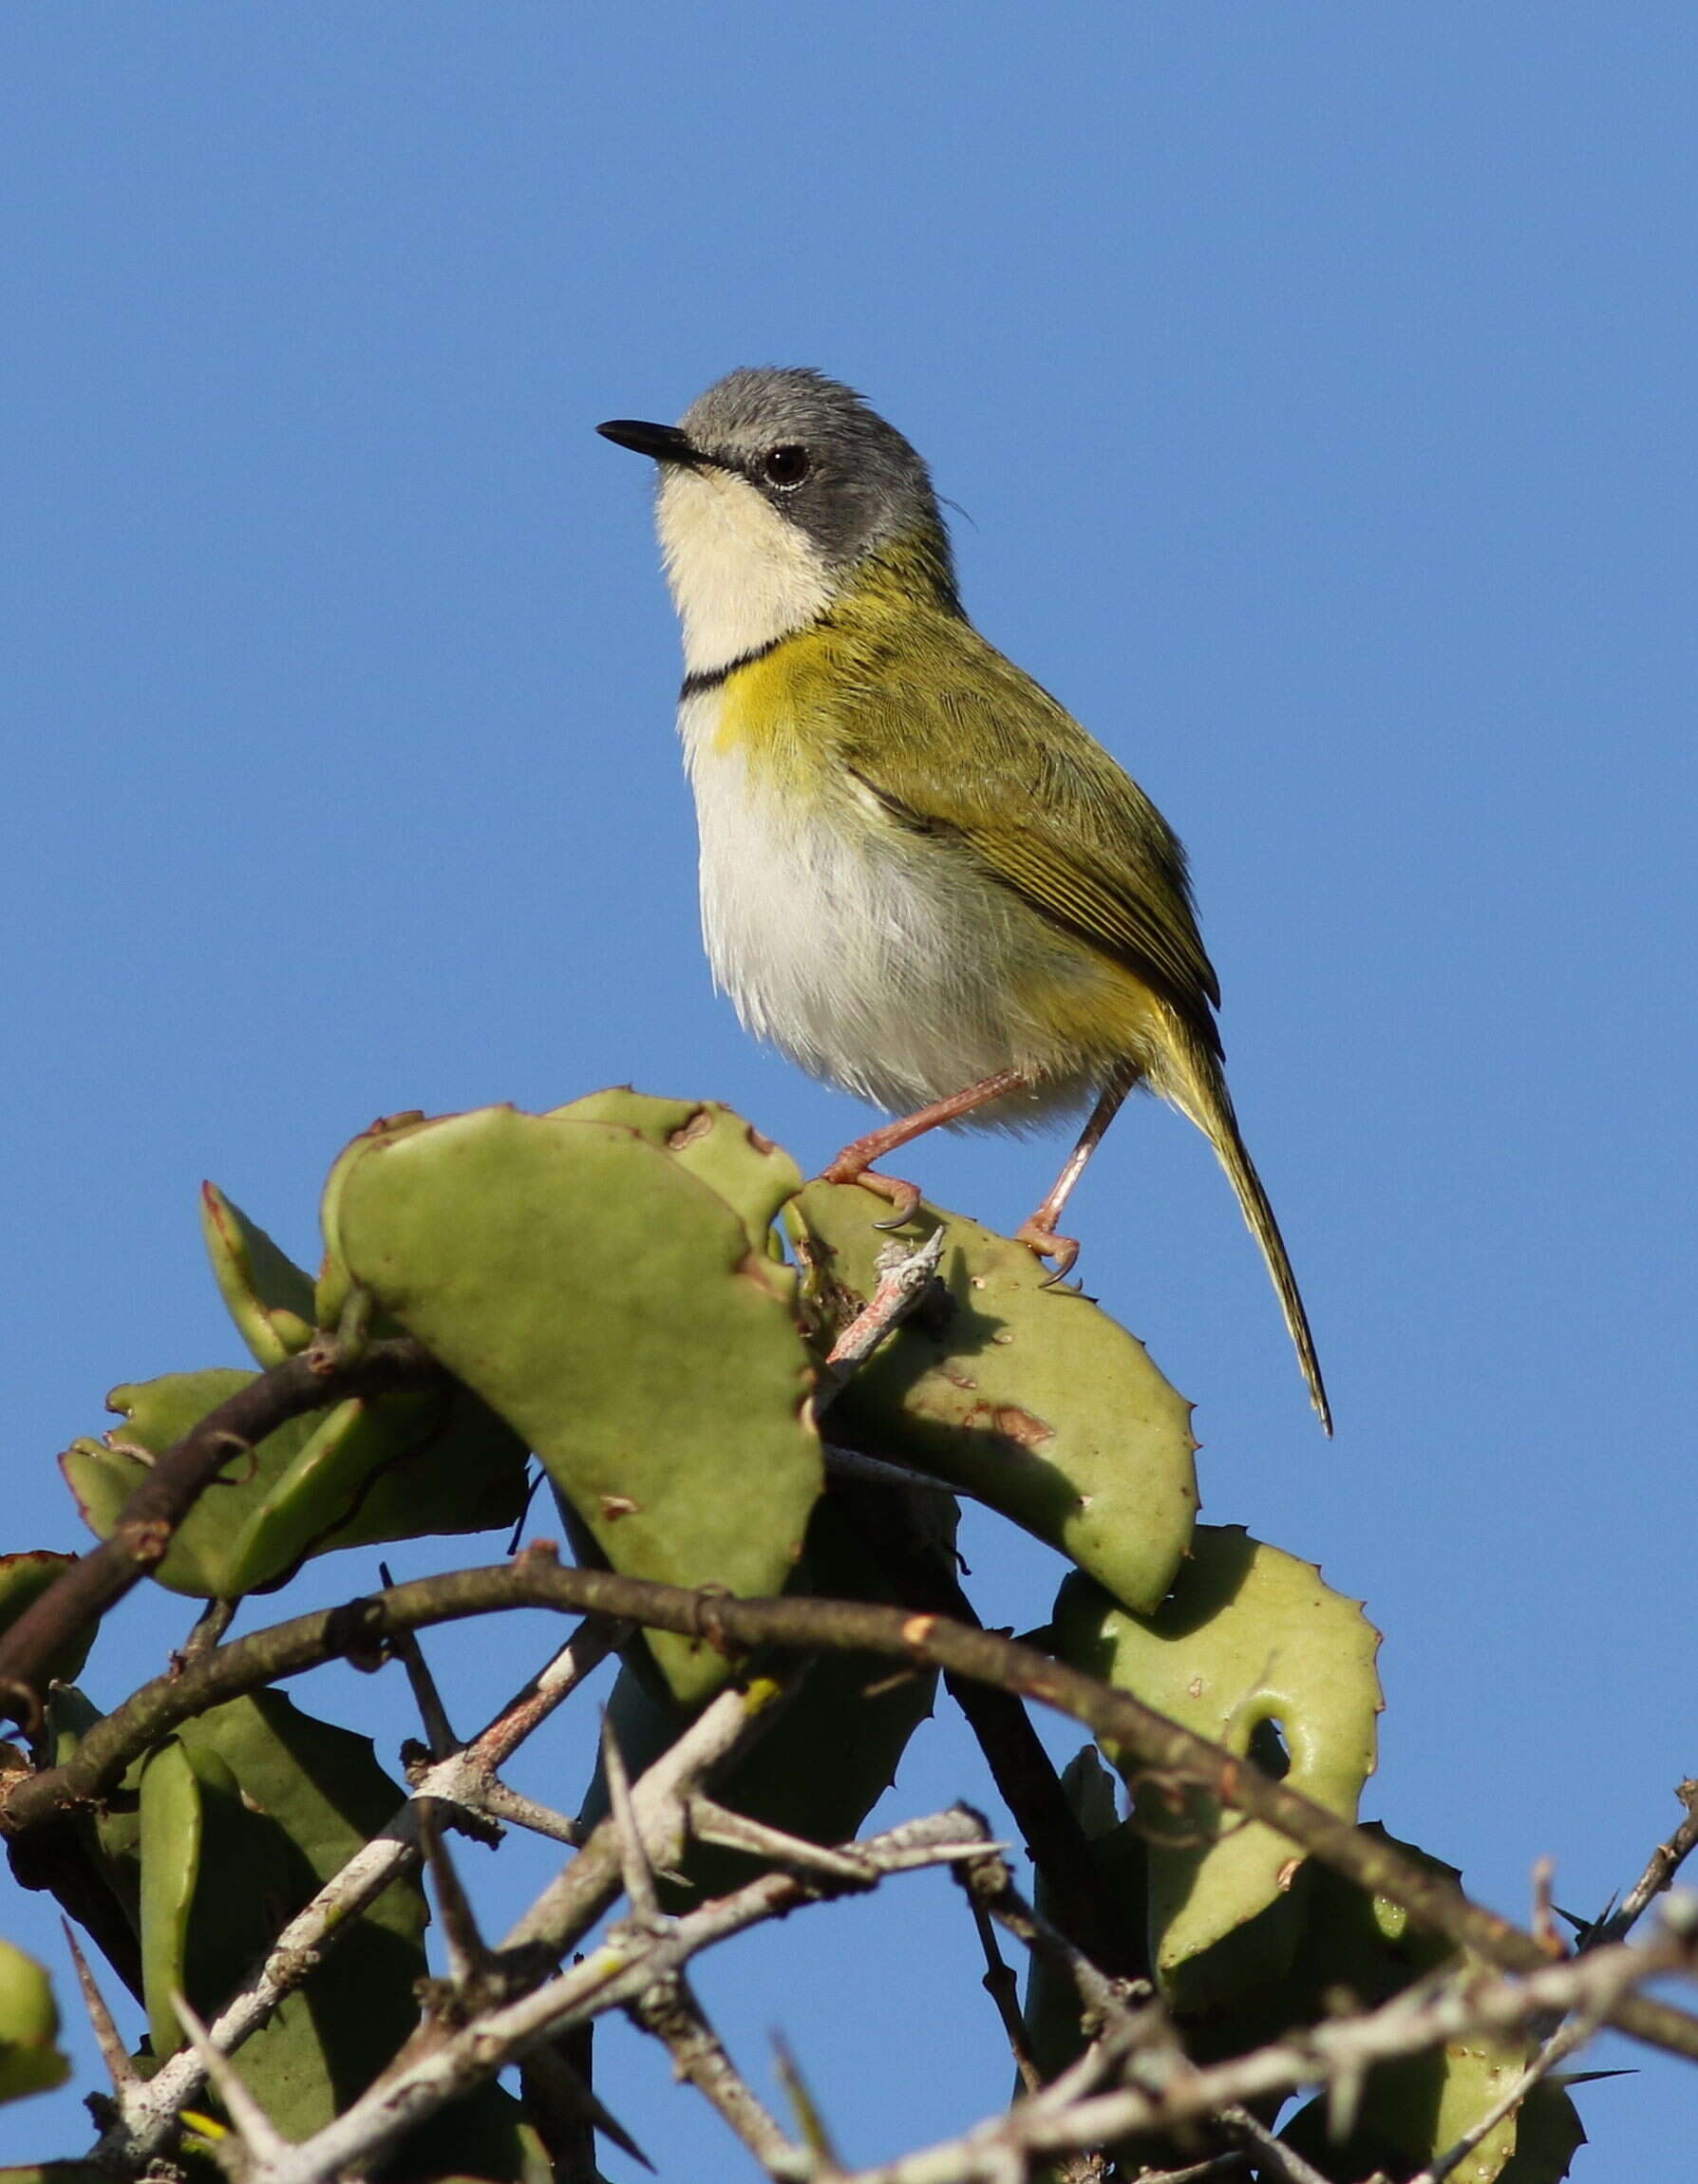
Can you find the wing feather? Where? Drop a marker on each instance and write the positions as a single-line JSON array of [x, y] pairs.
[[955, 739]]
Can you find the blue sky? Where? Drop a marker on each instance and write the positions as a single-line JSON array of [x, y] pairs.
[[1319, 385]]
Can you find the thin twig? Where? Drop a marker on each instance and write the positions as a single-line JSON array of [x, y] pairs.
[[610, 1977], [438, 1730], [576, 1898], [498, 1800], [1664, 1863], [110, 2042], [169, 1487], [669, 2010], [1468, 2005], [905, 1274], [147, 2111], [1273, 2157], [1003, 1989], [806, 1624]]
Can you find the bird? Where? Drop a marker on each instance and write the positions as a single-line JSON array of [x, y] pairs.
[[921, 878]]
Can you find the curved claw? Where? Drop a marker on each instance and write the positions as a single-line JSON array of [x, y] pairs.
[[1048, 1245], [905, 1198]]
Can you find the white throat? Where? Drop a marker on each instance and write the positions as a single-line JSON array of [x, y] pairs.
[[741, 576]]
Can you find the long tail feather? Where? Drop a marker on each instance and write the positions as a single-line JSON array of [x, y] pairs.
[[1197, 1088]]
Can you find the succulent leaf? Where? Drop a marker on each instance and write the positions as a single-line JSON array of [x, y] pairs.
[[609, 1305], [29, 2057], [369, 1469], [267, 1296], [22, 1579], [1249, 1636], [709, 1141], [1030, 1398]]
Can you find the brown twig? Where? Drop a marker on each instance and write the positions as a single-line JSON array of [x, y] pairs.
[[611, 1976], [1466, 2006], [170, 1487], [147, 2112], [906, 1271], [669, 2010], [1664, 1863], [804, 1625], [1003, 1989]]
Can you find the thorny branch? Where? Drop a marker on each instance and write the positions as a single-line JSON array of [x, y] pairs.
[[614, 1975], [170, 1487], [1070, 2114], [147, 2111], [1133, 2079], [1612, 1925], [802, 1625]]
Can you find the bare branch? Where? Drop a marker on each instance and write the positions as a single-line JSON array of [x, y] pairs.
[[905, 1274], [147, 2111], [614, 1976], [170, 1487], [1664, 1863], [1467, 2006], [438, 1730], [804, 1624], [576, 1898], [110, 2042], [498, 1802], [1003, 1989], [669, 2009]]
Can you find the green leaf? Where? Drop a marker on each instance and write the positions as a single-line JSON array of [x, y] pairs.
[[392, 1467], [1365, 1949], [22, 1579], [708, 1140], [1415, 2110], [206, 1877], [1250, 1635], [1052, 2010], [1032, 1399], [267, 1296], [107, 1833], [1548, 2135], [29, 2060], [609, 1305], [243, 1813]]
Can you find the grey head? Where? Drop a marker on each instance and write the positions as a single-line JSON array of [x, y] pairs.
[[820, 458]]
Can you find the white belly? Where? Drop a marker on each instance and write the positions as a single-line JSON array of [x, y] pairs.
[[835, 944]]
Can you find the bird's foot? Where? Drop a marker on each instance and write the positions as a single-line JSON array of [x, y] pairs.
[[1048, 1245], [905, 1198]]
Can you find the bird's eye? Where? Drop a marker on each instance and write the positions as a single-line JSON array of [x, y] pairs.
[[785, 466]]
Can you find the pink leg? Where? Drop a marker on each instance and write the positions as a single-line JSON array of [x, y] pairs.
[[1040, 1232], [854, 1163]]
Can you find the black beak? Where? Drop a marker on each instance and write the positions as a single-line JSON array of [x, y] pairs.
[[664, 443]]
